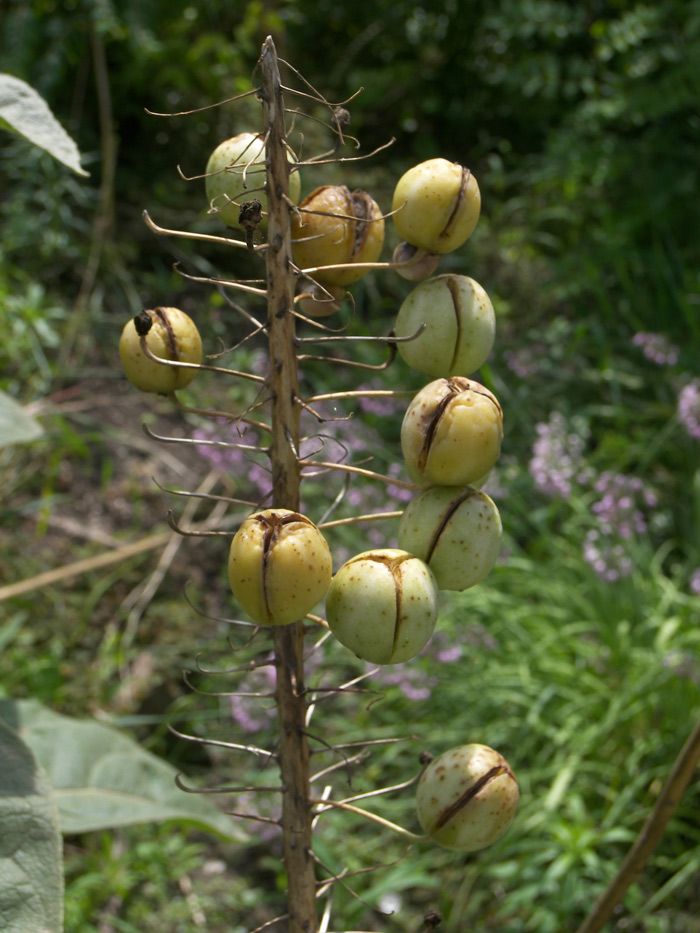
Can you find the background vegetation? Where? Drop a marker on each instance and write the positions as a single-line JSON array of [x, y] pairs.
[[578, 657]]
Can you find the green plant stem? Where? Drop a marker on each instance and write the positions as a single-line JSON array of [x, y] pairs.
[[650, 835], [284, 447]]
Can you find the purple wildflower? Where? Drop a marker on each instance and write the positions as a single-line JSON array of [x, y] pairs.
[[621, 516], [695, 582], [414, 683], [557, 457], [252, 713], [523, 360], [689, 408], [657, 348]]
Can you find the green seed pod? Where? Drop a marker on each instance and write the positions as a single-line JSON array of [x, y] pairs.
[[279, 566], [451, 433], [235, 175], [437, 205], [383, 605], [457, 531], [170, 334], [467, 798], [460, 326]]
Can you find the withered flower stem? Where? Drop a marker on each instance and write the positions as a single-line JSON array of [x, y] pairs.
[[286, 479]]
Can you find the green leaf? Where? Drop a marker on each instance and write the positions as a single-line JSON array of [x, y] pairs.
[[27, 113], [31, 875], [103, 779], [16, 426]]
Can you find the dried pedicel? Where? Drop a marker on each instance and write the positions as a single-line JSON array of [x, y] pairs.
[[451, 433], [437, 205], [169, 334], [467, 798], [460, 326], [279, 566], [383, 605], [457, 531]]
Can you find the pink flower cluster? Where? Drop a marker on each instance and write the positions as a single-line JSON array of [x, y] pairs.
[[621, 516], [557, 457], [656, 348], [689, 408]]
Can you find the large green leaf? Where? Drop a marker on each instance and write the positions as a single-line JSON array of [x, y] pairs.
[[27, 113], [103, 779], [16, 426], [31, 875]]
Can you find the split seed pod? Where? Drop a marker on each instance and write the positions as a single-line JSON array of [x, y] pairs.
[[451, 433], [437, 205], [460, 326], [170, 334], [383, 605], [467, 798], [457, 531], [279, 566], [335, 226]]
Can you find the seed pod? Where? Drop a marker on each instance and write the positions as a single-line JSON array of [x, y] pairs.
[[170, 334], [436, 205], [457, 531], [451, 433], [467, 798], [279, 566], [319, 300], [416, 264], [383, 605], [460, 326], [235, 175], [335, 226]]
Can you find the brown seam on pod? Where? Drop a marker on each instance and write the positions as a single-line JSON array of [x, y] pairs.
[[268, 521], [469, 795], [461, 197], [452, 389], [362, 209], [447, 515], [398, 594], [170, 333], [456, 306], [273, 527]]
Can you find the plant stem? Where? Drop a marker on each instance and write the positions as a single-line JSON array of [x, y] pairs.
[[293, 748], [650, 835]]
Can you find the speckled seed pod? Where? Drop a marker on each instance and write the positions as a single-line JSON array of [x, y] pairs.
[[460, 326], [457, 531], [279, 566], [451, 433], [170, 334], [333, 226], [437, 205], [383, 605], [467, 798], [235, 174]]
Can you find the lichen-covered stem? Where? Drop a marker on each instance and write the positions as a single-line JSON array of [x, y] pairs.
[[291, 704]]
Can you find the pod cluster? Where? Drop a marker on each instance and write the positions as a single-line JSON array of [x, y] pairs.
[[381, 604]]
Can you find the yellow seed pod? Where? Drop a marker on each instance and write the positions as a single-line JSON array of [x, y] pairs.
[[336, 226], [170, 334], [279, 566], [437, 205]]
